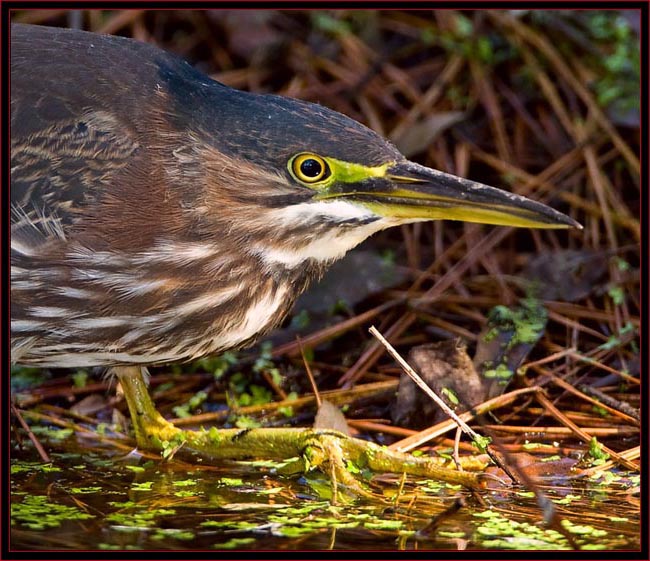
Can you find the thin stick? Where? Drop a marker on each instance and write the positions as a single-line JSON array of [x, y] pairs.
[[455, 455], [483, 443], [309, 373], [39, 448], [423, 386]]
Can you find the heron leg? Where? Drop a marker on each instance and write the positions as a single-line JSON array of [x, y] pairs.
[[326, 450], [150, 427]]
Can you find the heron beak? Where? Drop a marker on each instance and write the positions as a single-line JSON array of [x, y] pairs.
[[413, 192]]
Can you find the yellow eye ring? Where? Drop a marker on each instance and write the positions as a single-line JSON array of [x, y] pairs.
[[310, 168]]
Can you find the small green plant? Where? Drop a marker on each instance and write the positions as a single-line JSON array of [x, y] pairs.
[[264, 363], [191, 405], [470, 42], [596, 452], [37, 513]]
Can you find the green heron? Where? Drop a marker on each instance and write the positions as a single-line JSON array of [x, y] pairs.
[[159, 216]]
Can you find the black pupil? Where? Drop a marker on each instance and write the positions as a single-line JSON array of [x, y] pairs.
[[311, 168]]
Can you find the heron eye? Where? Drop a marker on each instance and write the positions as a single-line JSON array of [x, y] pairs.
[[310, 168]]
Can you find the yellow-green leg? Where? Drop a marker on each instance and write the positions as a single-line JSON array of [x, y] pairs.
[[149, 425], [327, 450]]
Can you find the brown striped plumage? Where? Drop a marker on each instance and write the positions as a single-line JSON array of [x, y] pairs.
[[154, 217], [136, 238]]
